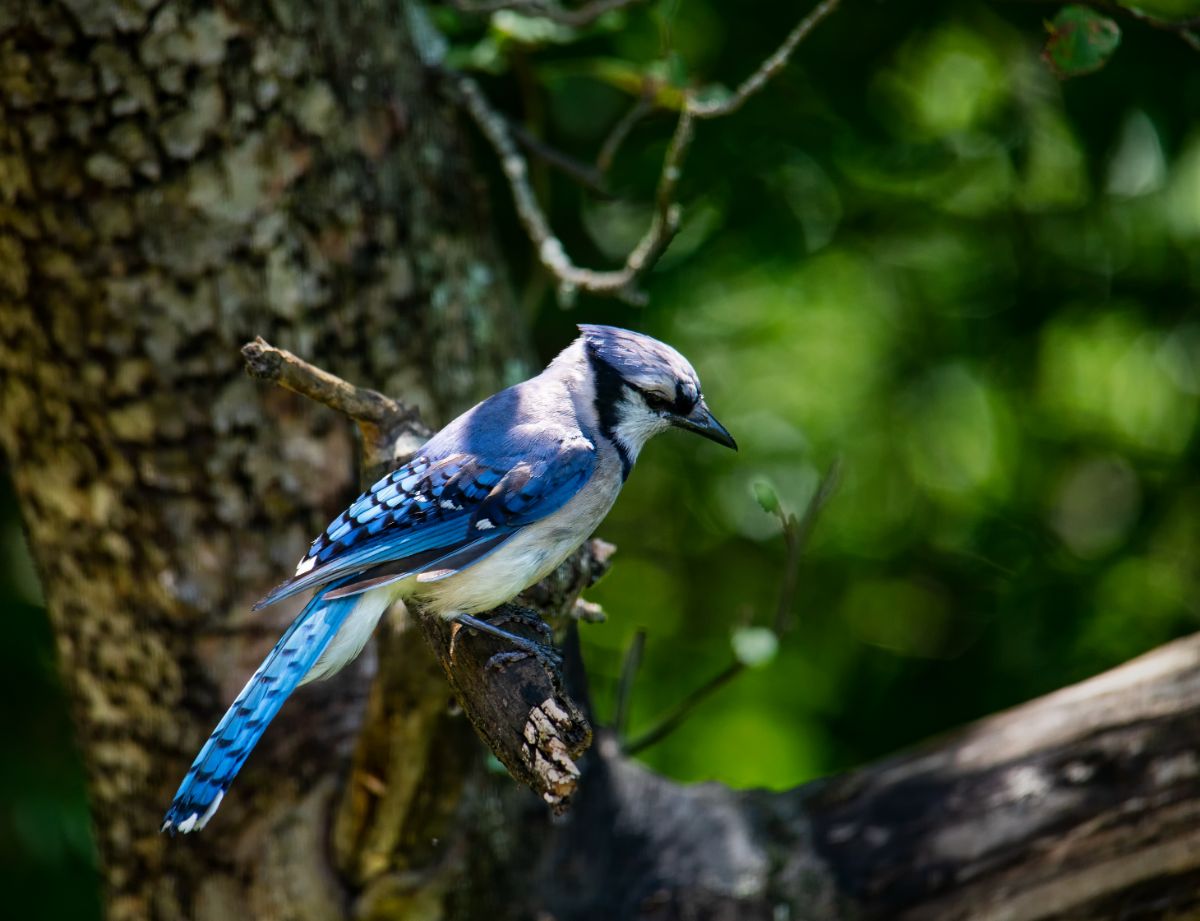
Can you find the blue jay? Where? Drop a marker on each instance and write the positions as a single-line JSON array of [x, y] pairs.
[[487, 507]]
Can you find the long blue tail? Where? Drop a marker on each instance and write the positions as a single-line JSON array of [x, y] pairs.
[[244, 722]]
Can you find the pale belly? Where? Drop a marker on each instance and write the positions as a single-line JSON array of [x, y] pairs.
[[523, 560]]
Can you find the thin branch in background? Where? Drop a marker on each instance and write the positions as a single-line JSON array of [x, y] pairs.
[[621, 282], [676, 717], [590, 177], [768, 69], [549, 248], [620, 131], [576, 18], [796, 532], [629, 669]]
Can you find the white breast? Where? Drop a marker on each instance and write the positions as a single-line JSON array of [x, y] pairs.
[[530, 555]]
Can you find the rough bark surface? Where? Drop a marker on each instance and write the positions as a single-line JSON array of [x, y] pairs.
[[1082, 804], [178, 177], [175, 178]]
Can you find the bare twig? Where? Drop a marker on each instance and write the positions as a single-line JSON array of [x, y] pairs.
[[550, 251], [608, 150], [590, 177], [575, 18], [621, 282], [684, 709], [385, 424], [769, 68], [796, 532], [629, 669], [279, 366]]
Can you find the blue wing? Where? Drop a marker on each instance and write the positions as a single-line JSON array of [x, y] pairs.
[[439, 515]]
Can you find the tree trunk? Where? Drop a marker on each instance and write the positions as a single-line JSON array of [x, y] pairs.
[[176, 178]]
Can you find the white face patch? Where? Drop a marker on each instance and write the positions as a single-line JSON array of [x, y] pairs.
[[637, 423]]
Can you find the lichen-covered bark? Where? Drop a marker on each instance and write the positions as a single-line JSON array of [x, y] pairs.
[[175, 178]]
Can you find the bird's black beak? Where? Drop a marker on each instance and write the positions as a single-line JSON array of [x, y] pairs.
[[701, 421]]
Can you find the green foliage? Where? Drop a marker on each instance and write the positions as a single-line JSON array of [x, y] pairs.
[[974, 283], [767, 497], [46, 854], [1081, 41]]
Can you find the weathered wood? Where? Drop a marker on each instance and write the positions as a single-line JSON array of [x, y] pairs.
[[1082, 804]]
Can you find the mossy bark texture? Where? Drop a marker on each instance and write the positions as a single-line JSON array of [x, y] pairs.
[[175, 178]]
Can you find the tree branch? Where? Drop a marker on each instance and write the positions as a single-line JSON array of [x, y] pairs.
[[1081, 804], [382, 421], [587, 175], [622, 282], [769, 68], [279, 366], [616, 137]]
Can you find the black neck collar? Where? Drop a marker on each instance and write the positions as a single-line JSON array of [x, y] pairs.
[[610, 391]]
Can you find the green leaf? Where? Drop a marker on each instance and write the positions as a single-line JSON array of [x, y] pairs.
[[621, 75], [754, 646], [486, 55], [765, 493], [532, 31], [1080, 41]]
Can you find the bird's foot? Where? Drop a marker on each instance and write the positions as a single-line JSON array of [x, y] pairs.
[[524, 618], [546, 654]]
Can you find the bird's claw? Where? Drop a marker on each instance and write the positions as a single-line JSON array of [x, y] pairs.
[[545, 653], [502, 660], [548, 656], [525, 619]]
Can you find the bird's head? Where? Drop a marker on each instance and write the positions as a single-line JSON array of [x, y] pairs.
[[644, 387]]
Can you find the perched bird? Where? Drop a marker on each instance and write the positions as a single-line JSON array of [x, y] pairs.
[[487, 507]]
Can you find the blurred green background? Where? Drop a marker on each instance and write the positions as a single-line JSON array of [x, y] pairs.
[[918, 251]]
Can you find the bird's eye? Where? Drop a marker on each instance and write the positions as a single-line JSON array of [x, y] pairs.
[[656, 401]]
